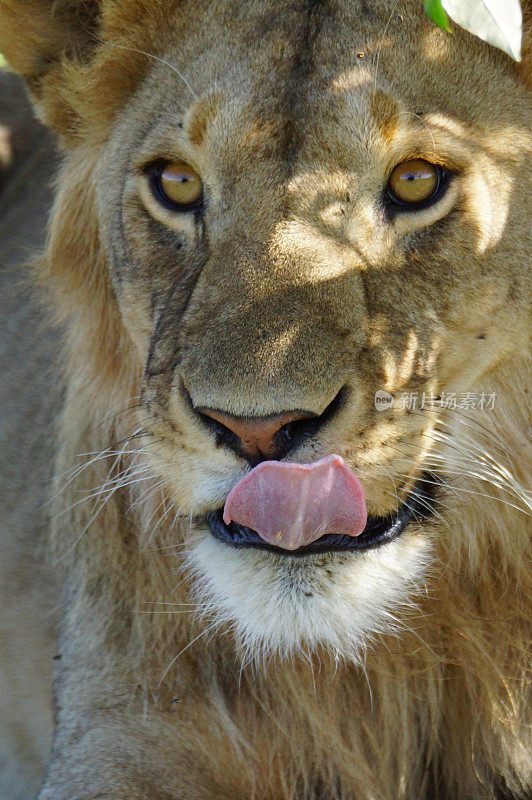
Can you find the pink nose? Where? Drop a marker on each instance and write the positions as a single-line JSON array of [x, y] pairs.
[[257, 435]]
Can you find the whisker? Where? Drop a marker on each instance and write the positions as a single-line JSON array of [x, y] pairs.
[[381, 44], [116, 483], [173, 661], [147, 55], [474, 492]]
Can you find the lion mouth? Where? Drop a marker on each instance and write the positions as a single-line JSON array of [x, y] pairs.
[[418, 506]]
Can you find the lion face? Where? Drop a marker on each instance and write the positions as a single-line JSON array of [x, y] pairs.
[[299, 213]]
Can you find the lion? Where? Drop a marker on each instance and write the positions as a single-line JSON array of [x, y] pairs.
[[288, 264]]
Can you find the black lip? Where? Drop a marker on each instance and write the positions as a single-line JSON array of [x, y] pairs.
[[419, 505]]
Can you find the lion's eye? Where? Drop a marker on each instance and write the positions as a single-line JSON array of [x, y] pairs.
[[415, 183], [177, 185]]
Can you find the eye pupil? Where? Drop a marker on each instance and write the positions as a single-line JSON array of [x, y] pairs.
[[414, 183], [178, 185]]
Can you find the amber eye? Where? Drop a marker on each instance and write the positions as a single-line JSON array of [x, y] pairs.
[[177, 185], [415, 183]]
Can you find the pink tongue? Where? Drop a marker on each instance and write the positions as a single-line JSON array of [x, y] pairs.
[[291, 505]]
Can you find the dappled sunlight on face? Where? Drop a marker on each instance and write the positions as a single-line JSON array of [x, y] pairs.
[[436, 45], [408, 363], [399, 368], [490, 218], [355, 78], [320, 259], [489, 160]]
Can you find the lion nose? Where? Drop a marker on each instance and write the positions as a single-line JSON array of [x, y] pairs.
[[259, 438]]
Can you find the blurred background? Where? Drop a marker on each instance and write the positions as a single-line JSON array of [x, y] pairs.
[[27, 165]]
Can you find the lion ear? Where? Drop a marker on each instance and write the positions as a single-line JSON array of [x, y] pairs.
[[40, 37], [35, 36]]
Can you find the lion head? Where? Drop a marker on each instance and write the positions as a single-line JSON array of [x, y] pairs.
[[301, 237]]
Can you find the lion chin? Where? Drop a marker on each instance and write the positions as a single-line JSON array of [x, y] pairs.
[[288, 532], [331, 603]]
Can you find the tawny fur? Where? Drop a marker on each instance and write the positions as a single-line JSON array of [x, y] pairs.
[[166, 689]]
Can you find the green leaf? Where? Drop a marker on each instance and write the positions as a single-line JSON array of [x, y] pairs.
[[498, 22], [435, 11]]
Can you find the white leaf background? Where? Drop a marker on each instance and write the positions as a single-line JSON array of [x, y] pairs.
[[498, 22]]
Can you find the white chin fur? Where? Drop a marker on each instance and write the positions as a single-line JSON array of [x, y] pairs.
[[339, 601]]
